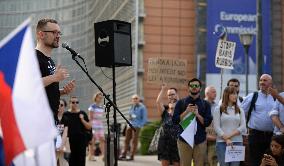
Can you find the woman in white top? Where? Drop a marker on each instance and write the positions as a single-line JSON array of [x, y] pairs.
[[229, 124]]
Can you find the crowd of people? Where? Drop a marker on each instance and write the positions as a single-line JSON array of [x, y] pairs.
[[255, 121]]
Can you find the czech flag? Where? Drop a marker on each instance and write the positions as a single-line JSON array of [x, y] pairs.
[[26, 117]]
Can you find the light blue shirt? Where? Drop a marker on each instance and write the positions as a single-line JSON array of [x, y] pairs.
[[213, 106], [278, 110], [259, 119], [138, 115]]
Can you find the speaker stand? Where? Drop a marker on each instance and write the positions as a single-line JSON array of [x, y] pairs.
[[114, 117], [110, 102]]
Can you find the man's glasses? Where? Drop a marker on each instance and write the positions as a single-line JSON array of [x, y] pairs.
[[55, 33], [194, 85], [75, 102], [171, 94]]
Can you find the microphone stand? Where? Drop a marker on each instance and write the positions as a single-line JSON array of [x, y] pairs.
[[109, 104]]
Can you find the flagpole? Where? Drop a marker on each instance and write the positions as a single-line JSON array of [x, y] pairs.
[[36, 158]]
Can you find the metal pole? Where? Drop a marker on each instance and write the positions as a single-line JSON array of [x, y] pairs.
[[247, 66], [114, 116], [221, 87], [222, 70], [259, 58]]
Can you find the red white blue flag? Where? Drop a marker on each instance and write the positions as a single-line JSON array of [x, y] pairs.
[[26, 117]]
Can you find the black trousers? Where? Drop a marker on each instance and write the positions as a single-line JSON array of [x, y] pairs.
[[259, 142], [78, 151]]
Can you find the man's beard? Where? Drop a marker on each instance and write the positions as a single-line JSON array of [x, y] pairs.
[[194, 93], [54, 44]]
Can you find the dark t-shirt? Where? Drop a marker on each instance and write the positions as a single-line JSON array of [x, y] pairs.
[[47, 67], [74, 124]]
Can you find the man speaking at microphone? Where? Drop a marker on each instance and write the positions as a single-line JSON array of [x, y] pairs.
[[48, 35]]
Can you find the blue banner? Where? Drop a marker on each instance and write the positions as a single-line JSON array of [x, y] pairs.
[[238, 16]]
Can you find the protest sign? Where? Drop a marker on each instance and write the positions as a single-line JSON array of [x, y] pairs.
[[167, 70], [225, 54], [235, 153]]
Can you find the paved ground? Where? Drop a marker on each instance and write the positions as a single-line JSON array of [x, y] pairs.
[[139, 161]]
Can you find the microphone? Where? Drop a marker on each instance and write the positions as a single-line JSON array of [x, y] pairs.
[[66, 46]]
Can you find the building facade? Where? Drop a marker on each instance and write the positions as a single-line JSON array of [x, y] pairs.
[[169, 31], [160, 28], [77, 19]]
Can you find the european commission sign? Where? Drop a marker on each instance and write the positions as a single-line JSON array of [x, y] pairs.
[[238, 17]]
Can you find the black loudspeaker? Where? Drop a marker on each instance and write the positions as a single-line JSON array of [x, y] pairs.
[[113, 43]]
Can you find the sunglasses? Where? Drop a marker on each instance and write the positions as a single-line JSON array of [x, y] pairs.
[[194, 85], [75, 102], [171, 94], [61, 105]]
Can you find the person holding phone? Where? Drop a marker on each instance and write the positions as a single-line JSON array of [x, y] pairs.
[[193, 104], [167, 145], [275, 155]]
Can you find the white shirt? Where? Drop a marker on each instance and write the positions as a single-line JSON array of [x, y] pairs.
[[227, 123]]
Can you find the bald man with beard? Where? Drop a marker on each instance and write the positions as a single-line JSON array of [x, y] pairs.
[[260, 124]]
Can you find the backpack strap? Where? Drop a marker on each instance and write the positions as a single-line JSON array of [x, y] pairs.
[[241, 99], [252, 105]]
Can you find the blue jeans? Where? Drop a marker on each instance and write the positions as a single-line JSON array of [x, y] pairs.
[[221, 149]]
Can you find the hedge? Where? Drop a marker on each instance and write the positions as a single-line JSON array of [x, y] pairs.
[[146, 135]]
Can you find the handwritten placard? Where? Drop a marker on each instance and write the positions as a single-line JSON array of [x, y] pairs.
[[225, 54], [167, 70], [235, 153]]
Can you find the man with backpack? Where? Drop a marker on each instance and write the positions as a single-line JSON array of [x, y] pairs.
[[257, 105], [233, 82], [190, 105]]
